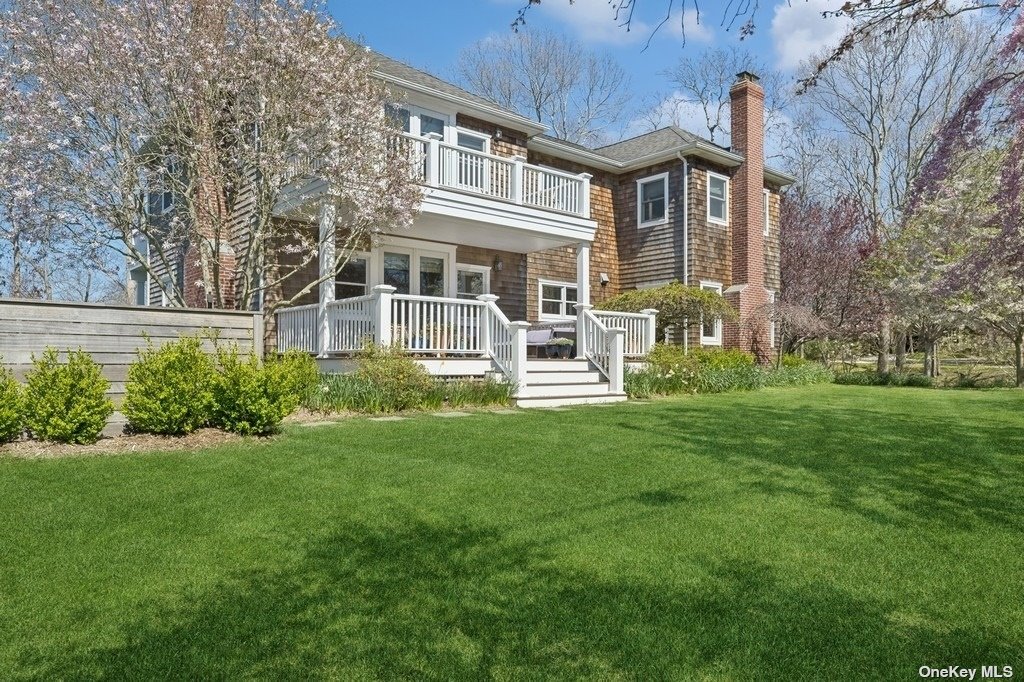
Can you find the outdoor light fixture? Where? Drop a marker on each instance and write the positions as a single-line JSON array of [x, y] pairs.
[[603, 278], [499, 264]]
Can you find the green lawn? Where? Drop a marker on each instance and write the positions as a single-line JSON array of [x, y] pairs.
[[828, 532]]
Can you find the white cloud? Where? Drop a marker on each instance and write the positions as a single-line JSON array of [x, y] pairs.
[[799, 30], [594, 21], [696, 32]]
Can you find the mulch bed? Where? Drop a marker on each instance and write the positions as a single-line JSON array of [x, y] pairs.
[[119, 445]]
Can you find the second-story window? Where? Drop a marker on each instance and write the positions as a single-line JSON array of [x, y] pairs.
[[718, 199], [652, 200], [417, 121]]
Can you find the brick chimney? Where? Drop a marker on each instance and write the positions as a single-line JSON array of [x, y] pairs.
[[747, 293]]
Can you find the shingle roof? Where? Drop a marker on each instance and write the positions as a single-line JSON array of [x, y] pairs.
[[396, 69], [660, 140]]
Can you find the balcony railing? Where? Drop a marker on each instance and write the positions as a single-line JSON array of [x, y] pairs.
[[510, 179]]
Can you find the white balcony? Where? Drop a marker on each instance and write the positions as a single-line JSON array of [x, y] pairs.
[[466, 190]]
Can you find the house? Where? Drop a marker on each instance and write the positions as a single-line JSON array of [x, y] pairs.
[[518, 229]]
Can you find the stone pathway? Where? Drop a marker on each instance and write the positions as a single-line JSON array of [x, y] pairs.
[[452, 414]]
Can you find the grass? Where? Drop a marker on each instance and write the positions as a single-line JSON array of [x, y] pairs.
[[824, 532]]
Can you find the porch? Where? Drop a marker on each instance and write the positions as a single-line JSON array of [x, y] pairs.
[[473, 337]]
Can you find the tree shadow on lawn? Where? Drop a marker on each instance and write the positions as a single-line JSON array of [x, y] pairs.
[[887, 467], [429, 600]]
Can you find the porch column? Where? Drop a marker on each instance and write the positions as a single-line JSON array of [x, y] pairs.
[[328, 228], [583, 273]]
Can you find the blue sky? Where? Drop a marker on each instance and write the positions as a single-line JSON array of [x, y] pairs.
[[431, 35]]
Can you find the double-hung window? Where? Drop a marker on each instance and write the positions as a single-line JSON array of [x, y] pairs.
[[652, 200], [557, 300], [767, 204], [771, 322], [718, 199], [711, 328], [353, 278]]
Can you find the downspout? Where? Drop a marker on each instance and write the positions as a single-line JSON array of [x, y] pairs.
[[686, 242]]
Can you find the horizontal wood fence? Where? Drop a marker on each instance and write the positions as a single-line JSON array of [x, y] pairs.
[[113, 334]]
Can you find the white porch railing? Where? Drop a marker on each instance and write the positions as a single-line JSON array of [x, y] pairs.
[[297, 329], [639, 329], [438, 325], [461, 327], [351, 324]]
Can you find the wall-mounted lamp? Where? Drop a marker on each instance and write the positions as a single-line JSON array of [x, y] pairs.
[[603, 278], [497, 134], [499, 264]]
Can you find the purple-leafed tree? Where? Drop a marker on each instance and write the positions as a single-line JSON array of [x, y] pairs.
[[825, 289]]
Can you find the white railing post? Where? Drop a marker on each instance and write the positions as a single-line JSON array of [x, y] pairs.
[[651, 328], [616, 360], [383, 295], [585, 194], [518, 330], [518, 178], [432, 161], [486, 341], [582, 342]]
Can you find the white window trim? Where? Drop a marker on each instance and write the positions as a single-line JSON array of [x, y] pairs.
[[359, 255], [767, 206], [715, 340], [415, 248], [639, 200], [466, 267], [414, 120], [711, 218], [478, 135], [541, 283], [771, 322]]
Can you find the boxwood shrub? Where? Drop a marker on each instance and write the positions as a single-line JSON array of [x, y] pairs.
[[170, 388], [66, 403], [253, 397], [12, 413]]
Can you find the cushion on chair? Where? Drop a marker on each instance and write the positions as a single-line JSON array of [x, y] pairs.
[[539, 337]]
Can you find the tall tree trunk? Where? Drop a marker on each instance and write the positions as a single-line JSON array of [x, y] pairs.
[[1018, 356], [928, 348], [936, 365], [15, 266], [884, 343], [901, 351]]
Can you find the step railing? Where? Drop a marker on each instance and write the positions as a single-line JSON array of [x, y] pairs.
[[602, 345]]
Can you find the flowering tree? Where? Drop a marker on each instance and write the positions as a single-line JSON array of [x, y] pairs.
[[824, 247], [187, 123]]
